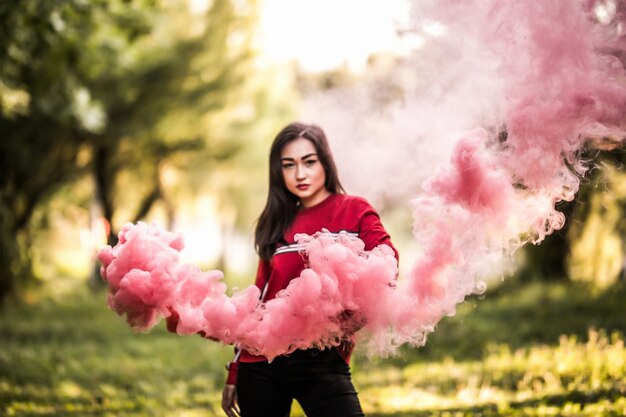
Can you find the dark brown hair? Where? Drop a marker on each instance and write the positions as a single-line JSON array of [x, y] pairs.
[[282, 205]]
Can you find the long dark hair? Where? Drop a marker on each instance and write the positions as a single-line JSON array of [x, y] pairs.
[[282, 205]]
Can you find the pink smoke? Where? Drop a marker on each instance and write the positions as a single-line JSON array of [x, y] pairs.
[[559, 94], [343, 289]]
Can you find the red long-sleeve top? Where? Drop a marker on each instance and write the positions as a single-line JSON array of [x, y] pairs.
[[337, 213]]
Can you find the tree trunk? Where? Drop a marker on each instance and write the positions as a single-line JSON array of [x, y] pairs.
[[14, 265], [104, 177]]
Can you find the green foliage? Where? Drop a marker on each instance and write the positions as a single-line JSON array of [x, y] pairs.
[[573, 378], [41, 44], [48, 114], [155, 102], [598, 233], [160, 102]]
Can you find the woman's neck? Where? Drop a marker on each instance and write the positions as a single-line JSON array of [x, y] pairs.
[[314, 200]]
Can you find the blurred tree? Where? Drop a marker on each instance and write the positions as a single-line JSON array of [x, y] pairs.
[[159, 105], [592, 245], [597, 235], [117, 88], [47, 115], [547, 261]]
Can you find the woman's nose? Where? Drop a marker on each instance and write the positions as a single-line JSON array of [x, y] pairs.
[[300, 172]]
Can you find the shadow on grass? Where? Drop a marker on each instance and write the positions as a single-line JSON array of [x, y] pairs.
[[517, 408]]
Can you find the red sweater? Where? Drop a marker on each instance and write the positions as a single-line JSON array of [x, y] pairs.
[[338, 212]]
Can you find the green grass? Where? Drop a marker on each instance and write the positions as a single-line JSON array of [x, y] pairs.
[[534, 350], [79, 358]]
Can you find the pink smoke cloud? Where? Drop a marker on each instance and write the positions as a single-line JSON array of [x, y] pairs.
[[147, 285]]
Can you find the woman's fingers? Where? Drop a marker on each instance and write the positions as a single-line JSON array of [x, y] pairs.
[[229, 401]]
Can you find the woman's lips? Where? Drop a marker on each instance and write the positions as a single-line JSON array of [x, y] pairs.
[[302, 187]]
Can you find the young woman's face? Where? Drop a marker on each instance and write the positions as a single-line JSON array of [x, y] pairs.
[[303, 172]]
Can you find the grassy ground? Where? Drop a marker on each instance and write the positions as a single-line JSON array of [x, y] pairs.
[[534, 350]]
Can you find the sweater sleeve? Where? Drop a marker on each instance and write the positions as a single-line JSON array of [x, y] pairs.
[[372, 233], [262, 276], [371, 230], [233, 368]]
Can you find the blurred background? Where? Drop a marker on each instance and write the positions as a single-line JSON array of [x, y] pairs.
[[121, 111], [115, 111]]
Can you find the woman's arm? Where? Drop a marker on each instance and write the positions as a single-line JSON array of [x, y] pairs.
[[372, 232], [262, 277]]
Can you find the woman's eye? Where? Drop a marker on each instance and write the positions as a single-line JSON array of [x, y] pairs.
[[310, 162], [286, 166]]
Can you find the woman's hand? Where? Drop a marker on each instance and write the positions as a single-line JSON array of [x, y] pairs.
[[172, 320], [351, 321], [172, 323], [229, 400]]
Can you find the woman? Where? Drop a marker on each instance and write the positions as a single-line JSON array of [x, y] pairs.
[[305, 196]]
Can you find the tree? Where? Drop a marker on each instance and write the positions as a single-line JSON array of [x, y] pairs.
[[44, 123], [597, 236], [105, 87]]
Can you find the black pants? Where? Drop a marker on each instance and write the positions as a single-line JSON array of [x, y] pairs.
[[318, 379]]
